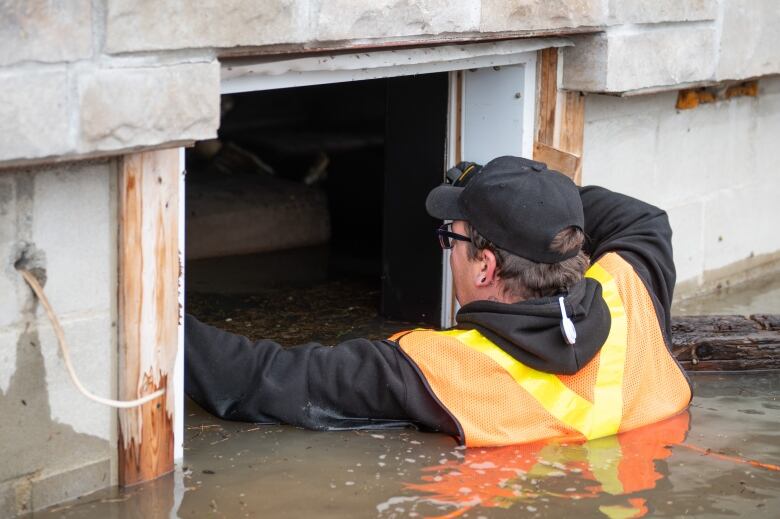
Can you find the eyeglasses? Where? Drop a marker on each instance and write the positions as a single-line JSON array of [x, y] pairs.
[[446, 236]]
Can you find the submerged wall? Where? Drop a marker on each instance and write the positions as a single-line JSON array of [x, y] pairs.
[[54, 443], [715, 168]]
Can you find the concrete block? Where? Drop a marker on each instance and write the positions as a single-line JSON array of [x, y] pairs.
[[740, 223], [642, 11], [43, 413], [8, 338], [526, 15], [704, 150], [93, 353], [8, 275], [750, 40], [601, 107], [51, 489], [34, 112], [134, 25], [768, 128], [45, 31], [126, 107], [619, 154], [72, 223], [15, 497], [627, 59], [353, 19], [687, 239]]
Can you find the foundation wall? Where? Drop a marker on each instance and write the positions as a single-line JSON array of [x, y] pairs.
[[54, 443], [715, 169]]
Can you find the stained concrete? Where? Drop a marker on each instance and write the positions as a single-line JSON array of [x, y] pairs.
[[44, 461], [60, 223]]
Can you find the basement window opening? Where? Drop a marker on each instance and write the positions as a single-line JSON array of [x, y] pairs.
[[305, 218]]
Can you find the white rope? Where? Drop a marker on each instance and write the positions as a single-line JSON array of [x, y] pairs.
[[122, 404]]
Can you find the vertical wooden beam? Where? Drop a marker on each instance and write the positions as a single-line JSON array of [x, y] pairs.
[[560, 121], [548, 95], [148, 309], [458, 116], [572, 128]]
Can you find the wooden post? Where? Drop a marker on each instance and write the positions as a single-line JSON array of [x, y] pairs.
[[560, 121], [149, 266]]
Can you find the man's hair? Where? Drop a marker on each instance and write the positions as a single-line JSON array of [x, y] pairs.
[[525, 279]]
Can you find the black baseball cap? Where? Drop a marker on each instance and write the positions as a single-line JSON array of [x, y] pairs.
[[518, 204]]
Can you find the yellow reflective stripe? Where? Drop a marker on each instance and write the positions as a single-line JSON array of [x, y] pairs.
[[604, 456], [552, 394], [608, 392], [592, 420]]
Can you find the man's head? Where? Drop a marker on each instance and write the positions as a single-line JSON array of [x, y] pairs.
[[520, 228]]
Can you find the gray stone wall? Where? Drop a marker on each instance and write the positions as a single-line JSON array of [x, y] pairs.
[[662, 45], [54, 443], [95, 77]]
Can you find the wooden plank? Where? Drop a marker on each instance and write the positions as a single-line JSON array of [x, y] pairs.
[[459, 116], [560, 121], [572, 128], [547, 96], [566, 163], [149, 266]]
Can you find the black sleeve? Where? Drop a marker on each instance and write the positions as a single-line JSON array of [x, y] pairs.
[[356, 384], [640, 233]]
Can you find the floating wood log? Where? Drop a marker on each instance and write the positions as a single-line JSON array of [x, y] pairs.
[[727, 342]]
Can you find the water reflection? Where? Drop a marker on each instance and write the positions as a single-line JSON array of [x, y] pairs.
[[726, 465], [532, 477]]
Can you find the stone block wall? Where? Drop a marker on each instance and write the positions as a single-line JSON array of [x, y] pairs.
[[80, 78], [661, 45], [714, 169], [54, 443]]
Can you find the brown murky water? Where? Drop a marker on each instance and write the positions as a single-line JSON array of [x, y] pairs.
[[719, 459]]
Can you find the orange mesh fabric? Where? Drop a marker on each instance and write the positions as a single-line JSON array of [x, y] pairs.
[[654, 386], [493, 409]]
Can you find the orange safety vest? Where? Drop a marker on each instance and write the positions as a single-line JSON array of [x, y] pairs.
[[498, 400]]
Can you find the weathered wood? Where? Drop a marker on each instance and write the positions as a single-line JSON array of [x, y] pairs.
[[556, 159], [149, 266], [571, 129], [727, 342], [560, 121], [548, 95]]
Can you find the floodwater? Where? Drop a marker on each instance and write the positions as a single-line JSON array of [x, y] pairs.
[[759, 296], [721, 458]]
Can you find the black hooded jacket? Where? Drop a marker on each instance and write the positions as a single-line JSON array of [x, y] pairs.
[[371, 384]]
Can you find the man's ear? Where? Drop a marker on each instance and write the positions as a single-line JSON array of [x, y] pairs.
[[487, 268]]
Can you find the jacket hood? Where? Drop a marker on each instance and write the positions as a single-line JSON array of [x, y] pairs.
[[530, 331]]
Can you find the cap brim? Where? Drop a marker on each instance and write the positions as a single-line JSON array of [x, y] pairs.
[[442, 203]]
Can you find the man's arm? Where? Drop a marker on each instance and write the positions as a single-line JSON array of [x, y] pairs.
[[640, 233], [357, 384]]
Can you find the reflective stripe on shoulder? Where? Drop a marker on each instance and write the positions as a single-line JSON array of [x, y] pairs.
[[591, 419]]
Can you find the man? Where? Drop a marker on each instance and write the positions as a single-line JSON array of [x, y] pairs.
[[546, 346]]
